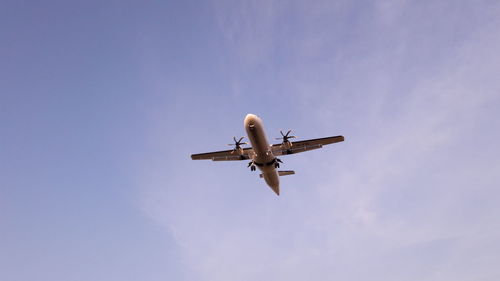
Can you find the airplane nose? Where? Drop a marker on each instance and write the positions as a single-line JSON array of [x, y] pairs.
[[250, 117], [250, 120]]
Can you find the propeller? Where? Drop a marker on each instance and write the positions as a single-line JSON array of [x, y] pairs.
[[286, 136], [237, 144]]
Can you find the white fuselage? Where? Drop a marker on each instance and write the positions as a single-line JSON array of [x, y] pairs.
[[263, 157]]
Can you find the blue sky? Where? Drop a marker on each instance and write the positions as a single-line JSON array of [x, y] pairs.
[[102, 102]]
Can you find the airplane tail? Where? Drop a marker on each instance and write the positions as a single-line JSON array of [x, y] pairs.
[[282, 173], [286, 173]]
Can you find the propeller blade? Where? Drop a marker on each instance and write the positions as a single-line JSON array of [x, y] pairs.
[[237, 143], [286, 136]]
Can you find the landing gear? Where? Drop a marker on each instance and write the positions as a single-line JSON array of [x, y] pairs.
[[277, 163], [252, 166]]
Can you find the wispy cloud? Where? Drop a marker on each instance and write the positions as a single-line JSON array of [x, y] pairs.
[[409, 195], [248, 28]]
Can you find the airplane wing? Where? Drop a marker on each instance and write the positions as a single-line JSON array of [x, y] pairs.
[[305, 145], [225, 155]]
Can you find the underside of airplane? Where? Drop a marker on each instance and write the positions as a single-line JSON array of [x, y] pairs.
[[262, 155]]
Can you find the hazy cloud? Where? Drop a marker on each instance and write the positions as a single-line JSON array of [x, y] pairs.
[[410, 194]]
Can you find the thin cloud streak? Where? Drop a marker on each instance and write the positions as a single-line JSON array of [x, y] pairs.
[[410, 193]]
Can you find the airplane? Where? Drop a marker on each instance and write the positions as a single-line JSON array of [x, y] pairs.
[[261, 154]]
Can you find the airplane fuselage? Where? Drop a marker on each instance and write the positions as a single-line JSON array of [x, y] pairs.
[[263, 157]]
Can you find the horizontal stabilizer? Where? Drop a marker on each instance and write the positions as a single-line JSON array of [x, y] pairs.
[[285, 173], [282, 173]]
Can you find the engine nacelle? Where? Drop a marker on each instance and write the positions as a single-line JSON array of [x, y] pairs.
[[286, 145]]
